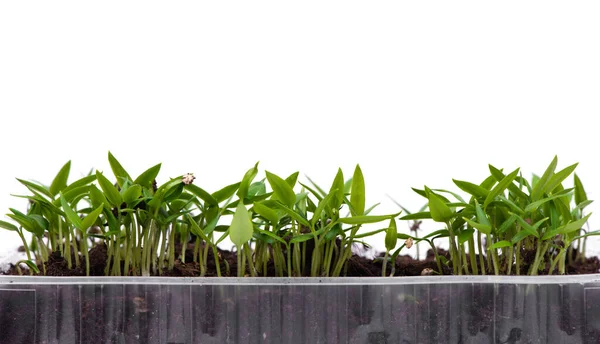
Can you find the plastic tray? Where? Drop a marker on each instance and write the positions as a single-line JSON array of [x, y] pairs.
[[441, 309]]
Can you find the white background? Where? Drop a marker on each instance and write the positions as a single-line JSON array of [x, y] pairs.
[[417, 93]]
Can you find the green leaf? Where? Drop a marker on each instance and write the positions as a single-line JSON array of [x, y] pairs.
[[337, 189], [292, 179], [500, 244], [558, 178], [472, 189], [301, 238], [241, 228], [539, 187], [457, 196], [568, 228], [465, 235], [9, 226], [246, 181], [583, 204], [391, 235], [30, 264], [110, 191], [60, 181], [147, 177], [515, 208], [586, 235], [96, 196], [91, 218], [36, 187], [580, 195], [70, 213], [417, 216], [357, 193], [226, 192], [317, 187], [266, 212], [299, 218], [322, 204], [535, 205], [486, 229], [440, 212], [202, 194], [132, 194], [257, 189], [500, 187], [507, 223], [281, 190], [117, 169], [498, 175], [481, 215], [359, 220]]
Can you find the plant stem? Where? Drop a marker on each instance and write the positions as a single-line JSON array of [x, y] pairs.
[[472, 256], [454, 256], [240, 264], [248, 255], [481, 255], [510, 259], [384, 265], [494, 254]]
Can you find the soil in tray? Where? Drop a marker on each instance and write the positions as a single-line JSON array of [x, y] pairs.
[[358, 266]]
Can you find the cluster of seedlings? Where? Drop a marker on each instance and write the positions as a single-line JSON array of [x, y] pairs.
[[508, 225]]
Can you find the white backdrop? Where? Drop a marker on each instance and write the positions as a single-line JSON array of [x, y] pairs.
[[417, 93]]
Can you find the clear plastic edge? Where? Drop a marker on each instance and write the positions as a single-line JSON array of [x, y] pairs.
[[37, 280]]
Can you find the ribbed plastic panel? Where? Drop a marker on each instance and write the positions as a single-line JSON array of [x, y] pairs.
[[447, 309]]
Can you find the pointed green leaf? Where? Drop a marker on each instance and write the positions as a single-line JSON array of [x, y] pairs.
[[500, 187], [292, 179], [486, 229], [391, 235], [507, 223], [558, 178], [359, 220], [337, 188], [440, 212], [71, 214], [500, 244], [147, 177], [241, 228], [535, 205], [465, 235], [538, 188], [417, 216], [110, 191], [271, 215], [132, 194], [9, 226], [246, 181], [91, 218], [202, 194], [117, 169], [515, 190], [357, 193], [36, 187], [281, 189], [472, 189], [226, 192], [60, 181], [580, 195]]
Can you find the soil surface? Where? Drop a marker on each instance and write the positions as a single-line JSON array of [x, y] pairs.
[[358, 266]]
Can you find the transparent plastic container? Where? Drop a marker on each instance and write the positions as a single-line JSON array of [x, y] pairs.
[[441, 309]]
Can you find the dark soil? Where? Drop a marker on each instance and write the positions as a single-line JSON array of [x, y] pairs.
[[358, 266]]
